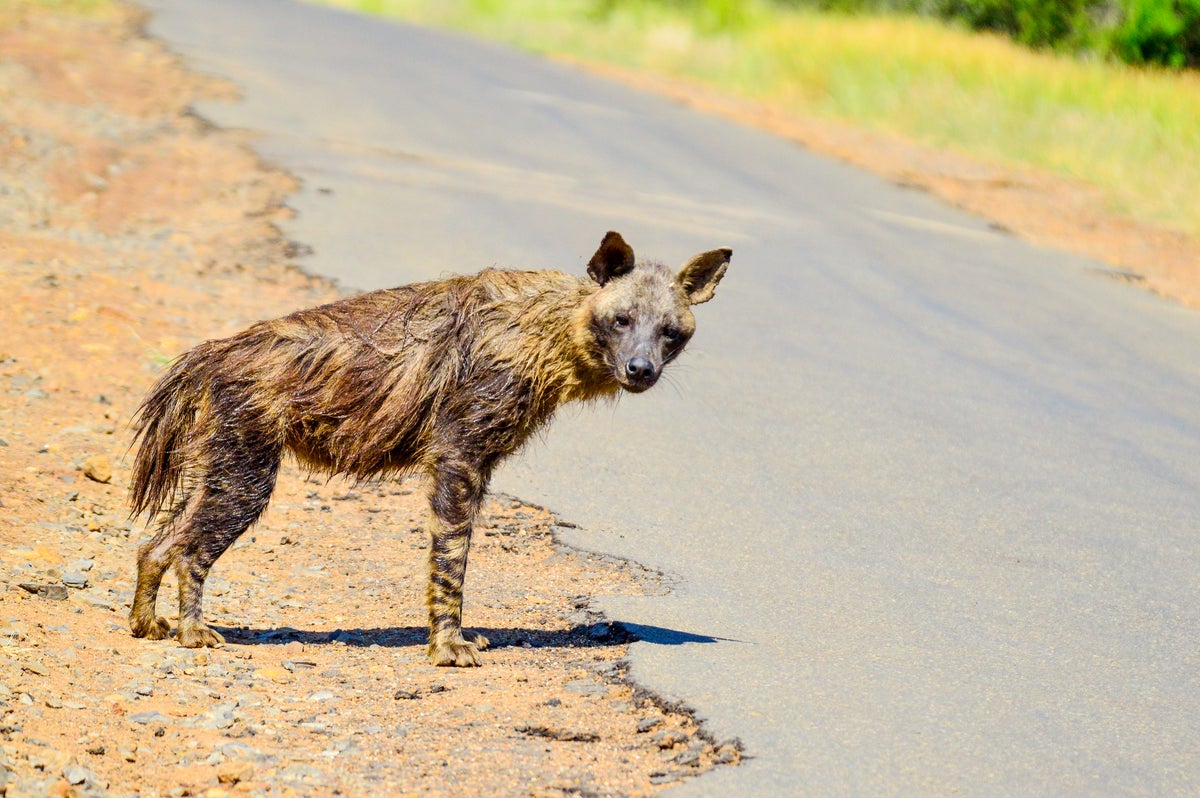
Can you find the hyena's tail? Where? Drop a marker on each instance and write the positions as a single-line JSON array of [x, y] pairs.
[[168, 427]]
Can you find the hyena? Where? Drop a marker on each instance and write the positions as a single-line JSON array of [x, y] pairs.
[[445, 378]]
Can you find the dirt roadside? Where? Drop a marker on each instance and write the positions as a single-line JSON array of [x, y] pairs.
[[130, 230]]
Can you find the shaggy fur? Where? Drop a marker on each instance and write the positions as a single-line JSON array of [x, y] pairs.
[[445, 378]]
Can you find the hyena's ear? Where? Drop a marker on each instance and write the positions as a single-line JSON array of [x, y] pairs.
[[613, 259], [700, 275]]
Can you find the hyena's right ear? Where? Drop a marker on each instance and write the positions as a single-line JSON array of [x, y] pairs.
[[612, 259], [700, 275]]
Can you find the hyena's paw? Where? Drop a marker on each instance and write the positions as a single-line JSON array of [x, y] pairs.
[[155, 628], [458, 653], [199, 636]]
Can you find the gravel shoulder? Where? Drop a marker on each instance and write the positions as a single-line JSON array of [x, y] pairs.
[[129, 231]]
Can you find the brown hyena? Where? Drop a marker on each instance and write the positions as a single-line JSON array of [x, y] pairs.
[[446, 378]]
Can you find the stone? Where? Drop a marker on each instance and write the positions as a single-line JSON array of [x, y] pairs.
[[75, 579], [52, 592], [98, 467], [646, 724], [235, 771], [668, 738], [146, 718], [585, 687]]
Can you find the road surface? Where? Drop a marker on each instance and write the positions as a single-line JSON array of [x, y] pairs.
[[930, 497]]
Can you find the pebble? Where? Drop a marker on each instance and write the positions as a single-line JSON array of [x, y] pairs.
[[219, 717], [98, 467], [100, 602], [646, 724], [669, 738], [77, 774], [75, 579], [585, 687], [35, 667], [146, 718], [234, 772], [53, 592]]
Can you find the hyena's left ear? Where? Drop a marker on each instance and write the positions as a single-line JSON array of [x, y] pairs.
[[700, 275], [612, 259]]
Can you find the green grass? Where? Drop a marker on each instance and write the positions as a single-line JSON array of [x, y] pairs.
[[1135, 134], [12, 11]]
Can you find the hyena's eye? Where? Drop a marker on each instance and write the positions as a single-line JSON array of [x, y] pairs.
[[670, 333], [620, 321]]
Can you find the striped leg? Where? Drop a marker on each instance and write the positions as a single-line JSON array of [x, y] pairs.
[[237, 489], [457, 494]]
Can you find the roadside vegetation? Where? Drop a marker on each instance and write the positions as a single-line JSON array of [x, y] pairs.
[[11, 10], [1132, 132]]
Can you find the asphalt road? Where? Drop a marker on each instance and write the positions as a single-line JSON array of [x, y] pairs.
[[930, 496]]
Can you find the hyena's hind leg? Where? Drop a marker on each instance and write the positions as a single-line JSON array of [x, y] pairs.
[[457, 494], [230, 496], [154, 557]]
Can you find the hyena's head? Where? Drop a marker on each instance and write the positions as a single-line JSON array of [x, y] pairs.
[[641, 318]]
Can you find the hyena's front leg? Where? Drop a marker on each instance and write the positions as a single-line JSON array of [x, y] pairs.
[[457, 493]]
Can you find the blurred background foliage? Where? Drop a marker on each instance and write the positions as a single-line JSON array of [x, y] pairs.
[[1159, 32]]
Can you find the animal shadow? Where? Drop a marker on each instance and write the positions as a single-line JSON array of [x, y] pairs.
[[578, 636]]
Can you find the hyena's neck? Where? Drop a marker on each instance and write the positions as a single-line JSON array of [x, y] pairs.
[[554, 347]]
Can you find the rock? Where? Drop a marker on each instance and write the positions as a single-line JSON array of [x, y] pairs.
[[562, 735], [52, 592], [219, 717], [688, 758], [320, 695], [35, 667], [646, 724], [668, 738], [146, 718], [75, 579], [98, 468], [666, 778], [100, 602], [234, 772], [277, 675], [727, 754], [585, 687], [78, 774]]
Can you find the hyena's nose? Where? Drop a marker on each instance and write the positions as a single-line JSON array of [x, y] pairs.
[[639, 369]]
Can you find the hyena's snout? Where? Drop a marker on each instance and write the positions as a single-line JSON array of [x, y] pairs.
[[640, 373]]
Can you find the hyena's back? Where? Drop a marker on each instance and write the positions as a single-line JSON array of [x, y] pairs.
[[363, 386]]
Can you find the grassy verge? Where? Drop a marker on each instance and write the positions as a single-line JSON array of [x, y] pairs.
[[1134, 134], [13, 11]]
